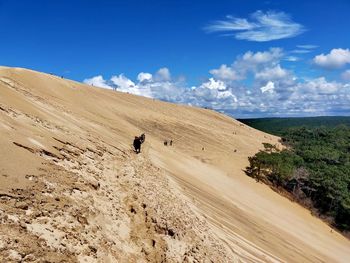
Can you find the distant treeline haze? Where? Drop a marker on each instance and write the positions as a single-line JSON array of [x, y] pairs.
[[278, 126]]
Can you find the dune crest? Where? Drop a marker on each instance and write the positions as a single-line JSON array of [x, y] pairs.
[[72, 188]]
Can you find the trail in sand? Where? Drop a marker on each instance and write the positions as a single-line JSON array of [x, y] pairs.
[[253, 221]]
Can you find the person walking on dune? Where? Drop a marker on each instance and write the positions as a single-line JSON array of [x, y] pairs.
[[137, 144]]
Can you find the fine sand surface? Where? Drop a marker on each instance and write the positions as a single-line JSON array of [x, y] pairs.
[[72, 189]]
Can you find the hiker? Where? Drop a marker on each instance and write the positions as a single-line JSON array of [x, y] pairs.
[[138, 141], [165, 143], [171, 143], [137, 144], [142, 138]]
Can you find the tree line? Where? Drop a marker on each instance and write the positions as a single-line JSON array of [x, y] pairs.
[[278, 126], [313, 169]]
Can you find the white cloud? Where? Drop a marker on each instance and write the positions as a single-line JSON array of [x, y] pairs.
[[213, 94], [122, 82], [157, 86], [272, 90], [291, 58], [271, 73], [346, 75], [225, 73], [259, 27], [227, 94], [248, 62], [144, 77], [272, 55], [162, 74], [232, 23], [269, 87], [321, 86], [337, 58], [307, 46], [97, 81], [214, 84], [301, 51]]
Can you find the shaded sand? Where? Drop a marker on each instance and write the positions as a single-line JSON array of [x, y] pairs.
[[72, 190]]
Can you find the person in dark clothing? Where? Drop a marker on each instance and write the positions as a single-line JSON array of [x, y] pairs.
[[137, 144], [142, 138]]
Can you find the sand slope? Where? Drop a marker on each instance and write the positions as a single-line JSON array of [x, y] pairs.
[[72, 190]]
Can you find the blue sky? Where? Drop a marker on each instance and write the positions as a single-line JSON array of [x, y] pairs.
[[245, 58]]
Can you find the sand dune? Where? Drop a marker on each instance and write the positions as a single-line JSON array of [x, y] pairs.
[[72, 189]]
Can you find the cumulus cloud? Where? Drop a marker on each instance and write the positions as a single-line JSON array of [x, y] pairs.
[[314, 96], [260, 26], [158, 86], [122, 82], [269, 87], [213, 84], [225, 72], [227, 94], [272, 73], [255, 84], [276, 91], [144, 77], [97, 81], [251, 59], [248, 62], [213, 94], [337, 58], [319, 96], [321, 86], [163, 74]]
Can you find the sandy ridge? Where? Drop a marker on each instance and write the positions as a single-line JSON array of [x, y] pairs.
[[72, 190]]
